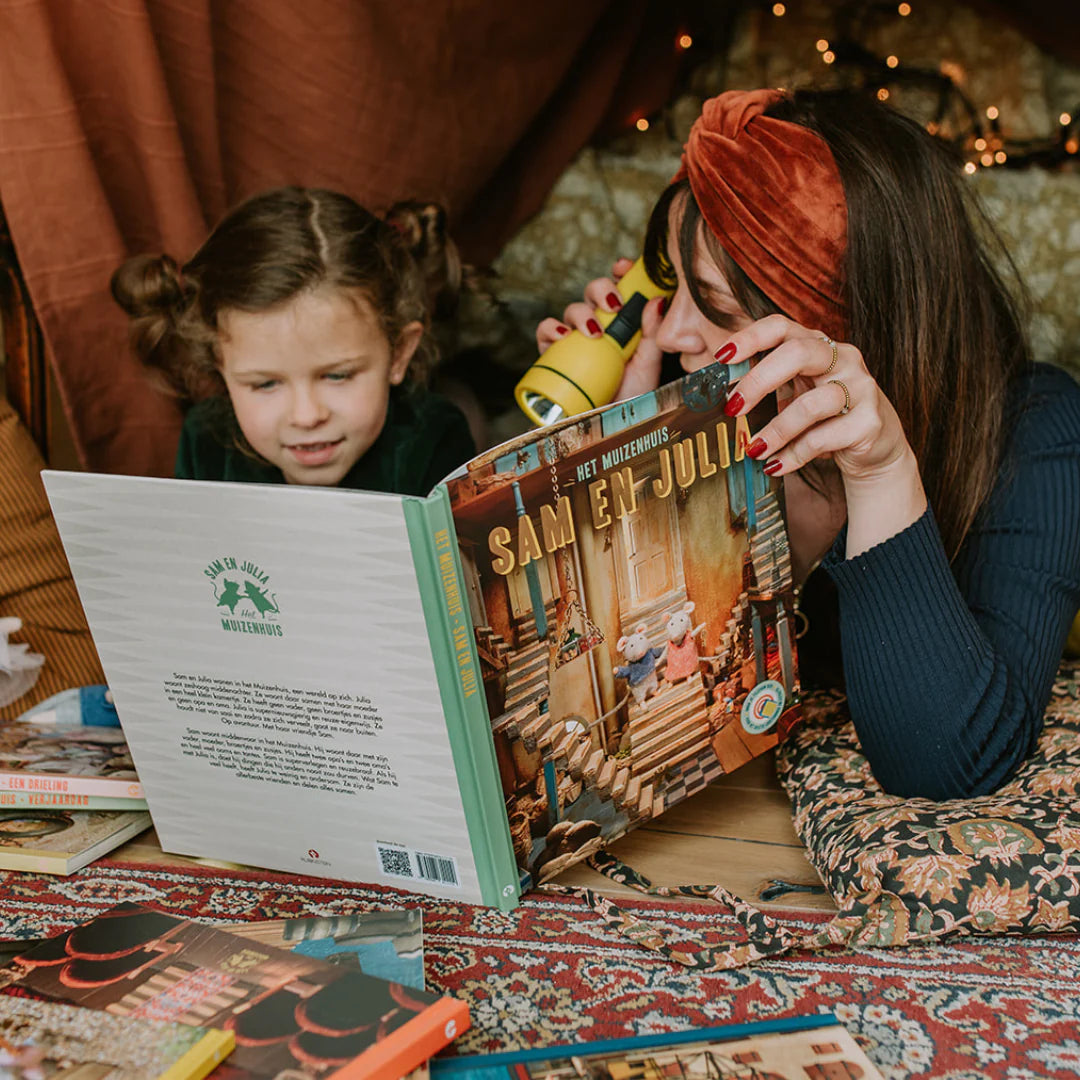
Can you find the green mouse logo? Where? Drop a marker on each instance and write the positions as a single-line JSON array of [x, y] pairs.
[[244, 600]]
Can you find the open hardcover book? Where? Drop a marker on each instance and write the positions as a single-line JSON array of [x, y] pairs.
[[458, 694]]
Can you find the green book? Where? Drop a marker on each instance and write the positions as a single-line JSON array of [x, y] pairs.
[[459, 694]]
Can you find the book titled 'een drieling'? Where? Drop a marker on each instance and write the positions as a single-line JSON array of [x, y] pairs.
[[454, 694]]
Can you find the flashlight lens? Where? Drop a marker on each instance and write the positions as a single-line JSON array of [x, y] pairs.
[[544, 409]]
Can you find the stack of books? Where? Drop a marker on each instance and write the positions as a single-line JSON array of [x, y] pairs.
[[68, 794]]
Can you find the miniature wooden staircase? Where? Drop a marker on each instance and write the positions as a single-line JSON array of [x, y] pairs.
[[527, 663], [492, 650], [671, 728], [769, 550]]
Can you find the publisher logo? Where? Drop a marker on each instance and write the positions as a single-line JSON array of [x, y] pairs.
[[763, 706], [312, 853], [314, 858], [243, 598]]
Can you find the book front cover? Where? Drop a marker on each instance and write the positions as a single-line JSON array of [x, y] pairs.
[[285, 1009], [630, 586], [42, 1040], [39, 763]]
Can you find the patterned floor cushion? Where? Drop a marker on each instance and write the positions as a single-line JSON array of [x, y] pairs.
[[913, 870]]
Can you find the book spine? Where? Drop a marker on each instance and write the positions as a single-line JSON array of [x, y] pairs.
[[39, 862], [410, 1045], [203, 1057], [457, 669], [20, 800], [60, 784]]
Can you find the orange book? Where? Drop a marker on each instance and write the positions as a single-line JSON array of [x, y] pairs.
[[419, 1039]]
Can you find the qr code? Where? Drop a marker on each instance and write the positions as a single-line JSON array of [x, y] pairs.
[[395, 861]]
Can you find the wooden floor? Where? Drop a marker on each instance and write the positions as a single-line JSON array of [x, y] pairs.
[[737, 833]]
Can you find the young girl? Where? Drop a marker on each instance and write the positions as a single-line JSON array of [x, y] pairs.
[[932, 471], [299, 327]]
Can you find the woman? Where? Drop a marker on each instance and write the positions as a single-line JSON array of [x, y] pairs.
[[932, 471]]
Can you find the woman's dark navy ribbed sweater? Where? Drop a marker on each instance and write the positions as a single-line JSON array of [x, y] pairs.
[[948, 668]]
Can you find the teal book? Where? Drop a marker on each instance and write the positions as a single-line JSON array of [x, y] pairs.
[[806, 1046], [459, 694]]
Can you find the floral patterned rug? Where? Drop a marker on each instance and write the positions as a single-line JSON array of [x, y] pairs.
[[552, 971]]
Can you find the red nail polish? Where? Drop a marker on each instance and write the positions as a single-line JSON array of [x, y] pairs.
[[734, 403], [773, 467], [614, 301], [593, 327], [662, 306], [756, 448], [724, 353], [561, 330]]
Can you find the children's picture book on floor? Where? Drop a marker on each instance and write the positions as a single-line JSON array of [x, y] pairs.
[[387, 942], [41, 1040], [285, 1010], [82, 767], [791, 1048], [63, 841], [461, 694]]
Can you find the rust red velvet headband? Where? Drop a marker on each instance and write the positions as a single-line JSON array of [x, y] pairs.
[[771, 193]]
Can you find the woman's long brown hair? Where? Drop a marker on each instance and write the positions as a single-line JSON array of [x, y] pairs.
[[937, 326]]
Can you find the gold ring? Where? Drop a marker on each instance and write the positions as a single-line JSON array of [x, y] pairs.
[[835, 356], [847, 396]]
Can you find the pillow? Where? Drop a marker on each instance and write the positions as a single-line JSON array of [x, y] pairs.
[[35, 581], [912, 870]]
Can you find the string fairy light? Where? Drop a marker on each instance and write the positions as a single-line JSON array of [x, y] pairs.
[[977, 134]]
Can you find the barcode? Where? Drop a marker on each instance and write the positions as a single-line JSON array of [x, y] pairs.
[[404, 862], [436, 868]]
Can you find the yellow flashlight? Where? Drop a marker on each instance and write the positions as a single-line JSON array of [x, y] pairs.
[[577, 372]]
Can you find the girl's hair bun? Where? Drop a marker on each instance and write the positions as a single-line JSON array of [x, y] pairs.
[[423, 229], [148, 285]]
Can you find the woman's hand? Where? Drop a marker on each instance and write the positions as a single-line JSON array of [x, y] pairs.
[[834, 409], [642, 372]]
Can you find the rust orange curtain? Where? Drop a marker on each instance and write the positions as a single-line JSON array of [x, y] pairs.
[[130, 125]]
